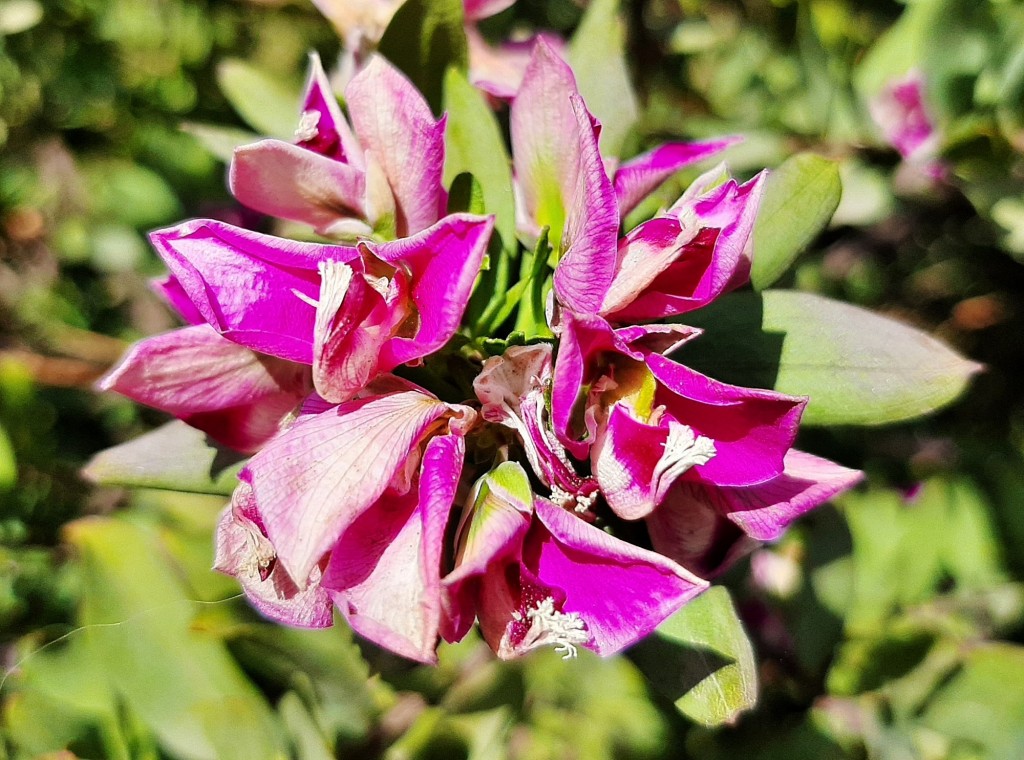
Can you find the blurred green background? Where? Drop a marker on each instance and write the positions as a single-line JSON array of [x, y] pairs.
[[887, 626]]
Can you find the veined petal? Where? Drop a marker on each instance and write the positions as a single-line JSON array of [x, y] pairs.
[[561, 179], [707, 256], [254, 289], [169, 289], [443, 262], [290, 182], [620, 591], [636, 463], [637, 178], [752, 429], [384, 572], [243, 552], [765, 510], [235, 395], [395, 124], [317, 478]]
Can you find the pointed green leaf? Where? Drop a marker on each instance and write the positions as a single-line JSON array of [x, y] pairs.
[[597, 55], [218, 140], [425, 38], [701, 659], [857, 367], [799, 199], [267, 103], [174, 457]]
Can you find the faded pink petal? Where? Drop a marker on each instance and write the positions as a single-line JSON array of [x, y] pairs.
[[235, 395], [384, 572], [498, 69], [395, 124], [313, 481], [290, 182], [901, 113], [639, 177], [254, 289], [752, 429], [561, 179], [243, 552]]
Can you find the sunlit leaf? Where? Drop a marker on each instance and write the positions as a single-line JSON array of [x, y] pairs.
[[597, 56], [220, 141], [799, 199], [701, 659], [174, 457], [857, 367], [424, 39], [267, 103]]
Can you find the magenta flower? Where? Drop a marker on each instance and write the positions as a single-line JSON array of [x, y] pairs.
[[901, 112], [536, 574], [360, 522], [384, 175], [351, 313]]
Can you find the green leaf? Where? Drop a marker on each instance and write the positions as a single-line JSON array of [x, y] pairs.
[[424, 39], [267, 103], [701, 659], [799, 199], [181, 683], [597, 56], [218, 140], [857, 367], [174, 457], [530, 292], [129, 193]]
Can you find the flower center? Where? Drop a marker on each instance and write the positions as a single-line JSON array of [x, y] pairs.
[[542, 624], [307, 129]]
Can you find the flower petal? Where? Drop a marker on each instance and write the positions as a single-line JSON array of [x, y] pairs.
[[443, 262], [621, 592], [765, 510], [322, 127], [752, 429], [637, 178], [290, 182], [235, 395], [315, 479], [243, 552], [395, 124], [384, 572], [478, 9], [561, 179], [254, 289]]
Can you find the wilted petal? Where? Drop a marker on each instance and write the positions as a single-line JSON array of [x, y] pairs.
[[318, 477], [442, 263], [235, 395], [561, 179], [243, 552], [384, 572], [290, 182], [395, 124], [751, 429], [637, 178], [619, 591], [765, 510], [254, 289]]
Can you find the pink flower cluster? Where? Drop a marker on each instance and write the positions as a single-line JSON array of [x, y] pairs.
[[415, 516]]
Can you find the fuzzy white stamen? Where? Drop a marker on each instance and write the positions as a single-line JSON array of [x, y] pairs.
[[308, 123], [565, 630], [683, 450], [259, 553]]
